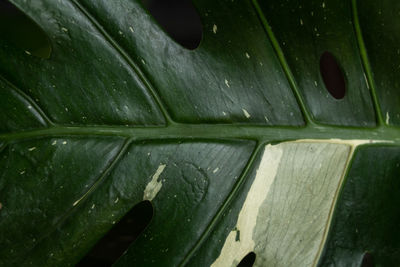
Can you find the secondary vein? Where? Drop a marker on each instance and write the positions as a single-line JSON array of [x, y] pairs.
[[279, 53], [94, 186], [224, 206], [43, 117], [366, 64], [128, 59]]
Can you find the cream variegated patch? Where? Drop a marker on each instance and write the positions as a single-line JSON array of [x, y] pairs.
[[287, 211], [234, 249]]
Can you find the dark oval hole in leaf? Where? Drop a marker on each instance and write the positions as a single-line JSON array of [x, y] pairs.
[[332, 75], [18, 29], [179, 19], [368, 260], [120, 237], [248, 260]]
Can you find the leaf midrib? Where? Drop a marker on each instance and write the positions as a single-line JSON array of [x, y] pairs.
[[259, 133]]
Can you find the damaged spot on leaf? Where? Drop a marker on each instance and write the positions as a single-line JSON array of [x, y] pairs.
[[332, 75], [248, 260], [120, 237], [179, 19], [17, 29]]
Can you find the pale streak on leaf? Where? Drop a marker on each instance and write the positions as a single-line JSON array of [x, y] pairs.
[[246, 113], [154, 186], [233, 251], [351, 142]]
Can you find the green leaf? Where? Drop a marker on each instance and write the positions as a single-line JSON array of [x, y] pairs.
[[237, 144]]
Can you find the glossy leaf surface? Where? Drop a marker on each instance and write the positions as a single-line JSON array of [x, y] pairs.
[[237, 144]]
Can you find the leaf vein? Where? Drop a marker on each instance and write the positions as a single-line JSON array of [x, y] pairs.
[[44, 118], [94, 186], [128, 59], [224, 205], [366, 64], [285, 66]]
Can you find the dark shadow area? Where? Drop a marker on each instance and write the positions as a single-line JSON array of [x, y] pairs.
[[368, 260], [179, 19], [120, 237], [19, 30], [248, 260], [332, 75]]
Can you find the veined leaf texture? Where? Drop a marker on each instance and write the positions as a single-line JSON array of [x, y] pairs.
[[242, 145]]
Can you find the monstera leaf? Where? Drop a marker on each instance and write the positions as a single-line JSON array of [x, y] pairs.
[[243, 146]]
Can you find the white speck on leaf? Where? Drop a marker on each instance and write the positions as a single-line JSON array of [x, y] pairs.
[[216, 170], [227, 83], [246, 113], [247, 55], [64, 29], [366, 81], [215, 29], [32, 148], [387, 118]]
